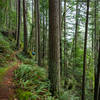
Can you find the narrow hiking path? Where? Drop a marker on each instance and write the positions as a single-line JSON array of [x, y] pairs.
[[7, 84]]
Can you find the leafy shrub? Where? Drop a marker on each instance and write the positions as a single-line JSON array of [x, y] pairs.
[[33, 81], [25, 59], [25, 95], [5, 51], [68, 96]]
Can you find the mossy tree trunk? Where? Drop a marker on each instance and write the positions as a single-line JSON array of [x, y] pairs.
[[19, 18], [25, 27]]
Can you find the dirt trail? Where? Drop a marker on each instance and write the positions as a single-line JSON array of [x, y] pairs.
[[7, 85]]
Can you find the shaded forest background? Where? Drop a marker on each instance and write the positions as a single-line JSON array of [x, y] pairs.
[[60, 40]]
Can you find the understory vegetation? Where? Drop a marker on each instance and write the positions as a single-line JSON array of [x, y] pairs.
[[5, 50], [6, 53], [51, 48], [32, 82]]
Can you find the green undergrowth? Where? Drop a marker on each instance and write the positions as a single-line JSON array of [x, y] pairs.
[[67, 95], [26, 59], [32, 83], [5, 50], [3, 70]]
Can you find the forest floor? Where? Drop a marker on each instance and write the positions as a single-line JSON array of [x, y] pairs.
[[7, 85]]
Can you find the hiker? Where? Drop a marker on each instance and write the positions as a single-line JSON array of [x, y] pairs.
[[33, 53]]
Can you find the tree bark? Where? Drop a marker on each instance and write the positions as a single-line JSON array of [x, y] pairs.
[[60, 30], [37, 32], [16, 19], [43, 36], [36, 29], [32, 40], [95, 53], [25, 27], [46, 43], [54, 47], [97, 96], [65, 59], [10, 14], [19, 18], [85, 52], [76, 29], [38, 24], [64, 35]]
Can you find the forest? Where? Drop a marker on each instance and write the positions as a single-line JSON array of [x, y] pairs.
[[49, 50]]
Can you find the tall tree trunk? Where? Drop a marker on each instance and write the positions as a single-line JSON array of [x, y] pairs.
[[85, 52], [32, 12], [60, 30], [97, 80], [6, 15], [64, 37], [46, 43], [38, 22], [64, 33], [32, 40], [65, 59], [43, 36], [95, 53], [16, 18], [37, 33], [54, 47], [25, 27], [98, 76], [76, 29], [10, 14], [19, 18], [99, 89]]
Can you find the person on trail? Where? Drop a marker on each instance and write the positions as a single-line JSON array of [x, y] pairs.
[[33, 53]]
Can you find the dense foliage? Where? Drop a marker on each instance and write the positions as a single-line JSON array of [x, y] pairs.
[[64, 41], [5, 50]]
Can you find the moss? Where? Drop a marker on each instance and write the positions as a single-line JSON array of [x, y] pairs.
[[5, 51], [25, 95], [3, 70]]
